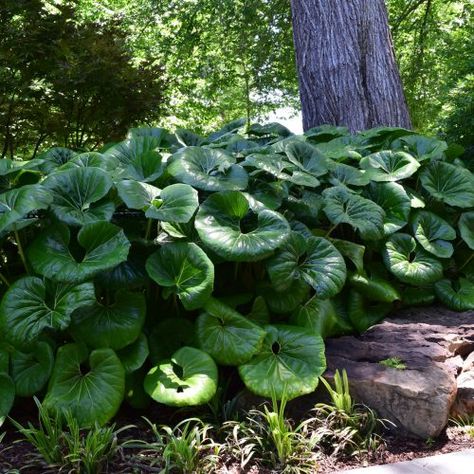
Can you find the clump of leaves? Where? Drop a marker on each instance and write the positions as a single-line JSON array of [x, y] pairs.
[[185, 448], [267, 438], [344, 428], [137, 271], [61, 443], [464, 423], [394, 363]]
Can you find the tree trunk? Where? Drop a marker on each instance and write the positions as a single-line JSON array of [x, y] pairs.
[[346, 65]]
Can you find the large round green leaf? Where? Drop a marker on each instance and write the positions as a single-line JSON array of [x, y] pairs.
[[100, 246], [226, 335], [226, 226], [347, 175], [175, 203], [363, 314], [18, 203], [394, 200], [134, 355], [389, 165], [32, 305], [30, 371], [91, 159], [307, 158], [314, 260], [433, 233], [91, 386], [55, 157], [114, 325], [286, 301], [189, 378], [409, 262], [77, 193], [424, 148], [7, 395], [343, 206], [207, 169], [352, 251], [457, 295], [321, 317], [289, 363], [449, 183], [186, 270], [466, 228], [374, 288], [162, 137]]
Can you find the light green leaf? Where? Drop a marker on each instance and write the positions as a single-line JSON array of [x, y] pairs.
[[457, 295], [289, 363], [410, 263], [343, 206], [433, 233], [207, 169], [113, 325], [226, 335], [226, 226], [100, 246], [314, 260], [389, 165], [449, 183], [186, 270], [188, 379], [91, 386], [77, 195], [32, 305]]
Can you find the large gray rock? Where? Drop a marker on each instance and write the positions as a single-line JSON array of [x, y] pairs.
[[434, 344]]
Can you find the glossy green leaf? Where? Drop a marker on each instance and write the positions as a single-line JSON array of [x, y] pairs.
[[466, 228], [7, 395], [352, 251], [307, 158], [227, 227], [363, 314], [343, 206], [424, 148], [389, 165], [207, 169], [449, 183], [433, 233], [91, 160], [229, 337], [91, 386], [457, 295], [286, 301], [186, 270], [32, 305], [289, 363], [394, 200], [113, 325], [134, 355], [341, 174], [31, 370], [411, 263], [16, 204], [162, 137], [321, 317], [77, 195], [189, 378], [137, 195], [139, 158], [374, 288], [314, 260], [100, 246], [55, 157], [259, 313]]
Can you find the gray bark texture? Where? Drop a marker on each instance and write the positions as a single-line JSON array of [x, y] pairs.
[[347, 70]]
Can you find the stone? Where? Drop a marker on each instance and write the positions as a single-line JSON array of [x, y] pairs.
[[434, 344]]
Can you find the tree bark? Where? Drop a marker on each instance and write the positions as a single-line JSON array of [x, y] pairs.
[[347, 70]]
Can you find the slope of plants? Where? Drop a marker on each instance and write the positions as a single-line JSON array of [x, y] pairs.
[[142, 270]]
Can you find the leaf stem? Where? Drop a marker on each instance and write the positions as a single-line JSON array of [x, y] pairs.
[[20, 250], [330, 231], [4, 279], [148, 229], [467, 261], [236, 270]]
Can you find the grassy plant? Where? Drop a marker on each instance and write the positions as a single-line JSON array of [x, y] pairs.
[[465, 424], [394, 363], [266, 437], [71, 449], [344, 427], [185, 448]]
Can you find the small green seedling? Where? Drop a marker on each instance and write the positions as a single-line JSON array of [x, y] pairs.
[[394, 363]]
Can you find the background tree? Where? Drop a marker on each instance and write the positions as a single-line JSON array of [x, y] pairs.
[[347, 69]]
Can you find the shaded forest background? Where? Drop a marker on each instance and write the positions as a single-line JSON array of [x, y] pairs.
[[80, 73]]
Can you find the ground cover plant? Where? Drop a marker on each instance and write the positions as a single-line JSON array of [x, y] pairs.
[[150, 268]]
